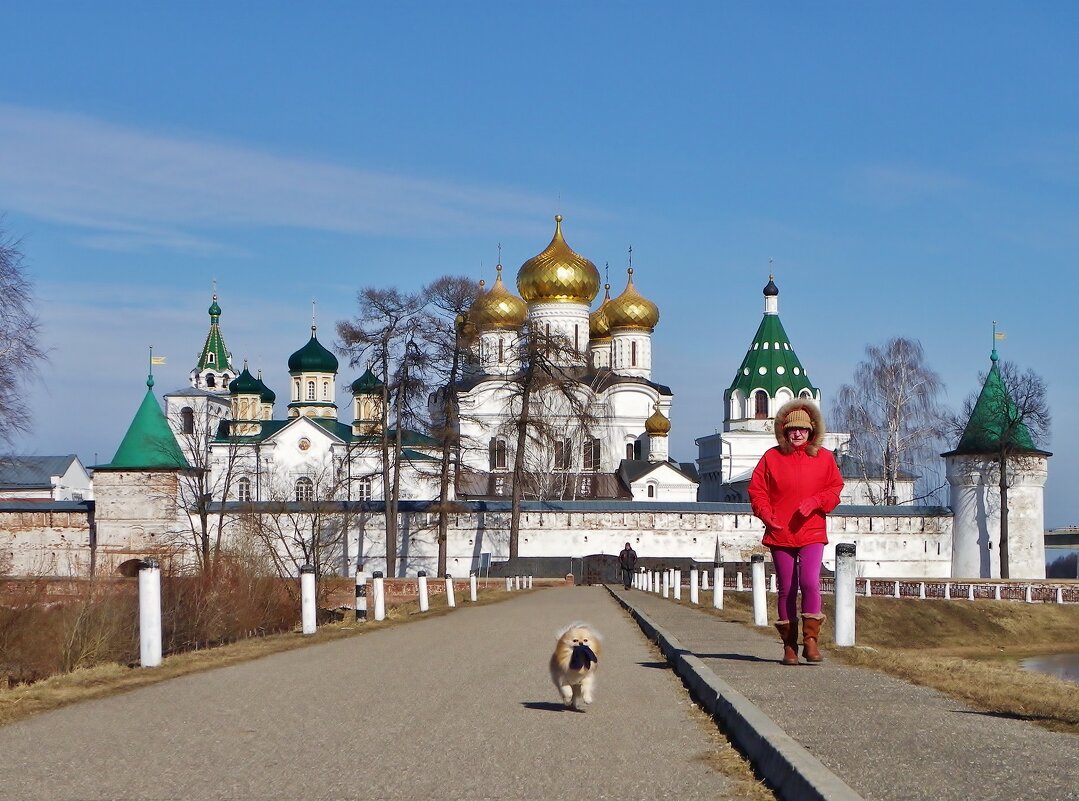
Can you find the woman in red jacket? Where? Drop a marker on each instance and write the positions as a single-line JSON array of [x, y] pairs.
[[794, 486]]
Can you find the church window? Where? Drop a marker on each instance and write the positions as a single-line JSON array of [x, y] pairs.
[[210, 380], [651, 490], [501, 351], [637, 449], [563, 450], [325, 390], [296, 390], [576, 337], [629, 450], [591, 455], [363, 491], [498, 454], [225, 380], [760, 403], [632, 354], [305, 489], [243, 490], [211, 358], [310, 390], [804, 394], [187, 420]]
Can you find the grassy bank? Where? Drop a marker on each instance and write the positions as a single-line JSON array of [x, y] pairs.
[[968, 650]]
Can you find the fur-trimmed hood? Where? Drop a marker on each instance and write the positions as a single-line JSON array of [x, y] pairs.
[[816, 439]]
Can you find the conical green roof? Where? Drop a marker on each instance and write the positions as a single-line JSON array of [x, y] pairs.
[[994, 418], [149, 443], [215, 343], [770, 363], [312, 358]]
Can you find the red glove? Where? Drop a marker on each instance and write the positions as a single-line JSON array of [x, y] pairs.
[[808, 506]]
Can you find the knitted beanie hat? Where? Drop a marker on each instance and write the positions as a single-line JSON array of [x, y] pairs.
[[799, 418]]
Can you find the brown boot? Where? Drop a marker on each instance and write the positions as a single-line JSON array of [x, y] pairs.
[[788, 632], [810, 632]]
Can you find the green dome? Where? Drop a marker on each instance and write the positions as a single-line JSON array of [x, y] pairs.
[[367, 384], [246, 384], [265, 393], [312, 358], [215, 310]]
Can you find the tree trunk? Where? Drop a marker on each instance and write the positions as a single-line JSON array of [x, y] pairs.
[[518, 475], [449, 435]]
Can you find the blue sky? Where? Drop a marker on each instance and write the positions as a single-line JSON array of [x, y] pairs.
[[912, 171]]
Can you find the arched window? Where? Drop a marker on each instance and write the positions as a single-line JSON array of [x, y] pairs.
[[187, 420], [629, 450], [310, 390], [805, 393], [210, 380], [243, 490], [296, 390], [364, 489], [497, 454], [651, 490], [305, 489], [325, 390], [760, 404], [563, 454], [211, 358], [225, 380], [632, 354]]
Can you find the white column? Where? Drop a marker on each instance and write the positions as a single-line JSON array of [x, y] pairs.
[[1060, 595], [361, 596], [921, 590], [970, 591], [509, 584], [421, 580], [1027, 596], [996, 592], [694, 597], [307, 599], [760, 600], [378, 586], [666, 591], [868, 588], [845, 593], [738, 582], [717, 587], [657, 582], [149, 614], [451, 601], [677, 585], [896, 589], [704, 579], [947, 591], [472, 587]]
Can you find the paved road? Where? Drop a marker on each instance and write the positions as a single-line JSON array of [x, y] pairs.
[[887, 739], [458, 706]]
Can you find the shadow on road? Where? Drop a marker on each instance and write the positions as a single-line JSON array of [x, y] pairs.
[[735, 657], [548, 706]]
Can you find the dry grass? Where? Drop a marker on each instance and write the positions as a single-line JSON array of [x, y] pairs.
[[22, 701], [968, 650]]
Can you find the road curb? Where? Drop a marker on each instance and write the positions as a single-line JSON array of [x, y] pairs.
[[791, 771]]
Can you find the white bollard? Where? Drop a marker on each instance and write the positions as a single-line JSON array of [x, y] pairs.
[[970, 591], [149, 614], [1028, 596], [694, 597], [378, 587], [509, 584], [421, 581], [996, 592], [361, 596], [307, 599], [472, 587], [896, 595], [516, 582], [868, 588], [1060, 595], [677, 584], [772, 587], [738, 586], [845, 593], [947, 591], [655, 582], [665, 592], [451, 600], [760, 600], [530, 582], [921, 590], [717, 587], [704, 579]]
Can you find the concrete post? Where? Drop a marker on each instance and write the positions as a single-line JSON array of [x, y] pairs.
[[996, 592], [307, 599], [760, 600], [666, 591], [509, 584], [704, 579], [772, 587], [678, 585], [868, 588], [657, 581], [149, 614], [530, 582], [451, 601], [472, 587], [1060, 595], [1028, 596], [738, 586], [970, 591], [694, 597], [717, 587], [421, 580], [921, 590], [845, 593], [896, 593], [361, 596], [516, 582], [947, 591], [378, 587]]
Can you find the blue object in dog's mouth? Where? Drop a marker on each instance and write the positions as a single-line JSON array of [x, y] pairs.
[[582, 657]]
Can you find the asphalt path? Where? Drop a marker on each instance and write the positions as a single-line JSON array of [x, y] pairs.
[[456, 706]]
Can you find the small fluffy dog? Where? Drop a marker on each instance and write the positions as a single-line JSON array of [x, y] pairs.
[[573, 663]]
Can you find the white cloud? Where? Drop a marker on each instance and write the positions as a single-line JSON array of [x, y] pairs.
[[132, 188]]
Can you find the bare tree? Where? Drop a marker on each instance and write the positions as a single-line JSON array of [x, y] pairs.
[[447, 336], [1008, 422], [893, 412], [20, 348], [384, 334]]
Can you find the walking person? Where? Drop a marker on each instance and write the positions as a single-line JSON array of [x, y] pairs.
[[627, 560], [793, 487]]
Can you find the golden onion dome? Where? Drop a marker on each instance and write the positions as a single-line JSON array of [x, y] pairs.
[[598, 325], [498, 309], [632, 310], [558, 274], [657, 425]]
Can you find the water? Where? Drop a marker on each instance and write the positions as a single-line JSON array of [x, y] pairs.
[[1062, 666]]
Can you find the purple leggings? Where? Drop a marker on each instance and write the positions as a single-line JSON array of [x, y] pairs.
[[798, 568]]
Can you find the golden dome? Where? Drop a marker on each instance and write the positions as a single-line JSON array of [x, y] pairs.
[[657, 425], [558, 274], [632, 310], [598, 325], [497, 309]]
